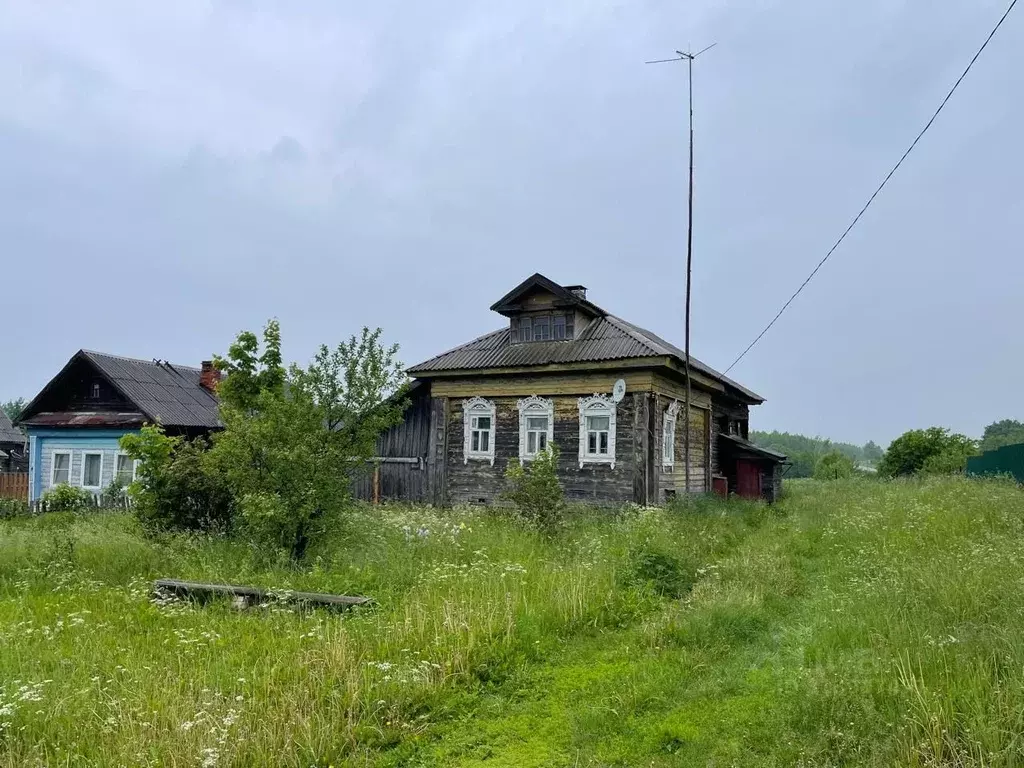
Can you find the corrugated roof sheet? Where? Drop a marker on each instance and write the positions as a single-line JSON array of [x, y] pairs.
[[166, 393], [605, 338], [753, 447], [8, 434]]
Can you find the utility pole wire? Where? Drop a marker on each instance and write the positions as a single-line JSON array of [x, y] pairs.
[[879, 189], [688, 58]]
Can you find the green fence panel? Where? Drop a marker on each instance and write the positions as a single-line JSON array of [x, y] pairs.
[[1008, 460]]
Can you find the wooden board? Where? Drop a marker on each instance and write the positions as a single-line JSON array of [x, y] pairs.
[[200, 591]]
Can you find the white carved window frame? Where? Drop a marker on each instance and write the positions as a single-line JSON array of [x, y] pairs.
[[597, 405], [534, 406], [668, 434], [474, 407]]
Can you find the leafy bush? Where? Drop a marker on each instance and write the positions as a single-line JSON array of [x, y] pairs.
[[1002, 433], [834, 466], [66, 498], [13, 508], [534, 491], [663, 571], [177, 488], [927, 450], [294, 439]]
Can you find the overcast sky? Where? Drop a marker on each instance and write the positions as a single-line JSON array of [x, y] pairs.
[[172, 173]]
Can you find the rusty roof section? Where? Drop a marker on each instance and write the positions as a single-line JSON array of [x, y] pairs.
[[605, 338], [163, 393], [85, 419]]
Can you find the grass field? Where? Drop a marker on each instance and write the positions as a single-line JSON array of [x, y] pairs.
[[854, 624]]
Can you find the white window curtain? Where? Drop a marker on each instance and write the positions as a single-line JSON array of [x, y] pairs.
[[478, 426], [60, 471], [597, 430], [668, 435], [536, 426]]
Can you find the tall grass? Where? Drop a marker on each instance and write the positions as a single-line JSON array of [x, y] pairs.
[[856, 624], [93, 671]]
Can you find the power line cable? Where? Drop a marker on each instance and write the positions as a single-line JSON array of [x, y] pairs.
[[880, 186]]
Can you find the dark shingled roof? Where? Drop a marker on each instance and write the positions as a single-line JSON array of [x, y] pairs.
[[605, 338], [166, 393], [161, 393], [8, 434]]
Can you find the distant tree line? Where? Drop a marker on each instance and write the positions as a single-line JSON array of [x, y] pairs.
[[805, 453], [935, 450]]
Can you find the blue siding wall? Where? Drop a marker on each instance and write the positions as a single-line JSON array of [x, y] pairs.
[[44, 442]]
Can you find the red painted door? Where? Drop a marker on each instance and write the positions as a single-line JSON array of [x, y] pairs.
[[748, 479]]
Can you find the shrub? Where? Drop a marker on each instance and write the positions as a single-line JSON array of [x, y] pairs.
[[13, 508], [662, 571], [66, 498], [177, 488], [534, 491], [909, 453], [834, 466], [294, 439]]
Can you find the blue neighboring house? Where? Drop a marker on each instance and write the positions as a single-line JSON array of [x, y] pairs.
[[74, 424]]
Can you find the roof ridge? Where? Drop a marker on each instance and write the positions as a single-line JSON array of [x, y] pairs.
[[138, 360]]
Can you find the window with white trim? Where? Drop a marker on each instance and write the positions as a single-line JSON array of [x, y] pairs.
[[536, 426], [478, 424], [92, 469], [60, 468], [125, 469], [597, 430], [668, 435]]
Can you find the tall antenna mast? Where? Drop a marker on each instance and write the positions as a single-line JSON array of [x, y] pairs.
[[688, 58]]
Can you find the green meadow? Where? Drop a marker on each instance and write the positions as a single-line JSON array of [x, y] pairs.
[[855, 623]]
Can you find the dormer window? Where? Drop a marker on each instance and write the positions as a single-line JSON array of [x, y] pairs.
[[547, 327]]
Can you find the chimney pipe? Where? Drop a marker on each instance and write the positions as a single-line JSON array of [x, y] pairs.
[[579, 291], [209, 376]]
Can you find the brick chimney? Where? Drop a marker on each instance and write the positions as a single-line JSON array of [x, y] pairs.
[[209, 376], [579, 291]]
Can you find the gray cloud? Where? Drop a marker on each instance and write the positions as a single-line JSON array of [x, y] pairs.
[[176, 173]]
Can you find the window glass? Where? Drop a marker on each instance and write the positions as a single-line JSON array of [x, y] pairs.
[[541, 328], [558, 327], [525, 329], [61, 468], [669, 441], [91, 470], [125, 469], [536, 434], [480, 441], [597, 435]]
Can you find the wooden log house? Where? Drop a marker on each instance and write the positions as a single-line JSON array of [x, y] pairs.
[[547, 376]]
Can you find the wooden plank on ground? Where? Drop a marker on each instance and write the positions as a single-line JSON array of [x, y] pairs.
[[200, 591]]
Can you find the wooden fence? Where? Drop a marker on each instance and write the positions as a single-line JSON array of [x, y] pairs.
[[14, 485]]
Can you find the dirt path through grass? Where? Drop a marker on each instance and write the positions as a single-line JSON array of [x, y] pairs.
[[691, 682]]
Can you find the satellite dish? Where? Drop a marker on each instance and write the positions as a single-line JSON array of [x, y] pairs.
[[619, 391]]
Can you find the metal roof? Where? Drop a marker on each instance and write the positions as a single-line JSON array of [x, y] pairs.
[[8, 434], [746, 445], [605, 338], [166, 393], [161, 392]]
